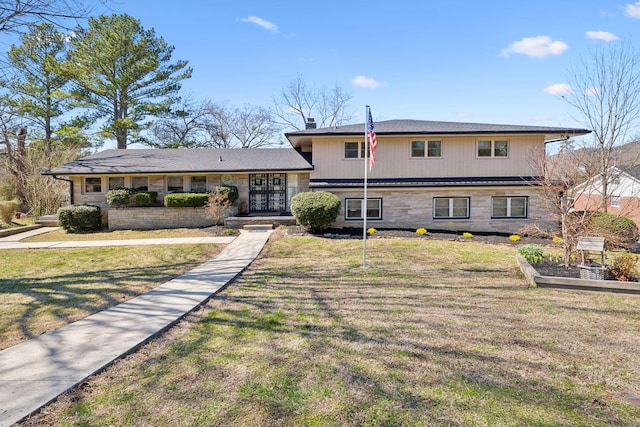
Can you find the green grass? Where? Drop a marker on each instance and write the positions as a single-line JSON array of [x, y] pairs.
[[60, 235], [45, 289], [433, 333]]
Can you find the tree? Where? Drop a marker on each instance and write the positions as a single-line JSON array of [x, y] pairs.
[[123, 72], [207, 124], [37, 80], [297, 103], [606, 95], [16, 15]]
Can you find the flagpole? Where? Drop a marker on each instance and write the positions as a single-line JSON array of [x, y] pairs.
[[364, 203]]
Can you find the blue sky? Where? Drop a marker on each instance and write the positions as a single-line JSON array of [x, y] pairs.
[[493, 61]]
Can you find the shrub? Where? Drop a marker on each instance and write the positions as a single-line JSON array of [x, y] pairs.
[[7, 209], [186, 200], [315, 210], [618, 231], [217, 206], [80, 218], [230, 232], [119, 197], [231, 191], [624, 267], [532, 253], [421, 231], [145, 198]]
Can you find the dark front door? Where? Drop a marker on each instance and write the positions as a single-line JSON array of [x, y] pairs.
[[268, 192]]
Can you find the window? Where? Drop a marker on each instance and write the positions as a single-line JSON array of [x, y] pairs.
[[615, 201], [116, 182], [430, 149], [140, 183], [354, 150], [175, 184], [93, 185], [353, 209], [509, 207], [199, 184], [450, 207], [492, 148]]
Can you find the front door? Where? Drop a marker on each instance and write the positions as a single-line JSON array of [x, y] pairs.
[[268, 192]]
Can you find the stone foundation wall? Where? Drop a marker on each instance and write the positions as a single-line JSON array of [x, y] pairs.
[[157, 217]]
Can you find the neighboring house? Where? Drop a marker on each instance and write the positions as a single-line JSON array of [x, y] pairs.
[[438, 175], [623, 193], [266, 178]]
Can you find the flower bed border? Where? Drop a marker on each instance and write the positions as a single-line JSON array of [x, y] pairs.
[[536, 280]]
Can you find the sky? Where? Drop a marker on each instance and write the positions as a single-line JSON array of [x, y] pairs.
[[495, 61]]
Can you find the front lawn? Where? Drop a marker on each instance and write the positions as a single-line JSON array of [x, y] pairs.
[[44, 289], [433, 333], [60, 235]]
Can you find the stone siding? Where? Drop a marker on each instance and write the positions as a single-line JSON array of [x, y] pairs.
[[413, 208], [157, 217]]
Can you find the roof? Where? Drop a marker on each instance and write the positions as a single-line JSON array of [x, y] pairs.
[[196, 160], [425, 127], [425, 182]]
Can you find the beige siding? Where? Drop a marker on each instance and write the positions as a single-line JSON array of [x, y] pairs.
[[413, 208], [394, 158]]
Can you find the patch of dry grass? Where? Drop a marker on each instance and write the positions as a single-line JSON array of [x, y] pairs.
[[433, 333], [60, 235], [45, 289]]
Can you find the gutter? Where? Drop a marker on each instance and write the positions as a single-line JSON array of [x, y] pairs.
[[70, 187]]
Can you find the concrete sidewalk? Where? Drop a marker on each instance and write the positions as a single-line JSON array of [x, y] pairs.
[[37, 371], [14, 241]]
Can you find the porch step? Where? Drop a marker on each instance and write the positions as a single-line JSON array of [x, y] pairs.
[[48, 220], [258, 227]]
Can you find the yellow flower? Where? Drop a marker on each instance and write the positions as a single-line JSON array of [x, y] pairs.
[[467, 235], [557, 240], [371, 230], [421, 231], [514, 237]]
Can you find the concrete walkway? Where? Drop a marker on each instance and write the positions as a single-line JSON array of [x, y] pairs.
[[13, 241], [37, 371]]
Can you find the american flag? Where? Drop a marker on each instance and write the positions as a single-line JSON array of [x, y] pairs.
[[373, 142]]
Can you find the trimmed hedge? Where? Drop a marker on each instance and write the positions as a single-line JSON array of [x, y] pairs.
[[231, 192], [186, 200], [315, 210], [119, 197], [145, 198], [80, 218]]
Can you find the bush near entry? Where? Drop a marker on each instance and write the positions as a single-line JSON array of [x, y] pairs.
[[80, 218], [315, 210], [186, 200], [619, 231]]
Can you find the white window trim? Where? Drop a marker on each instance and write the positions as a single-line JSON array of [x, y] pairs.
[[360, 150], [509, 198], [166, 182], [426, 149], [615, 201], [102, 185], [361, 217], [450, 216], [493, 148]]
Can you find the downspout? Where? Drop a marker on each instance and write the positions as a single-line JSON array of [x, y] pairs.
[[70, 187]]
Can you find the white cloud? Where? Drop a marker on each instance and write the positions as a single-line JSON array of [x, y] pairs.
[[367, 82], [536, 47], [591, 91], [633, 10], [559, 89], [269, 26], [601, 35]]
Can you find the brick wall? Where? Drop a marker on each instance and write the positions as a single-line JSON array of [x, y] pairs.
[[157, 217]]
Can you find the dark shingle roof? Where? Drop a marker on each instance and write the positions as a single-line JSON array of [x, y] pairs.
[[198, 160], [425, 127]]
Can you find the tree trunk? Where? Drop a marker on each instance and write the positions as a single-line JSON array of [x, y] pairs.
[[19, 168]]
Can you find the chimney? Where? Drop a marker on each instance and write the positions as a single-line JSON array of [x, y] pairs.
[[311, 123]]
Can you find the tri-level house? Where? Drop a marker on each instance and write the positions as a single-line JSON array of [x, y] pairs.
[[438, 175]]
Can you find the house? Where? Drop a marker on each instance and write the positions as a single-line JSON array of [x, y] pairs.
[[438, 175], [623, 191]]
